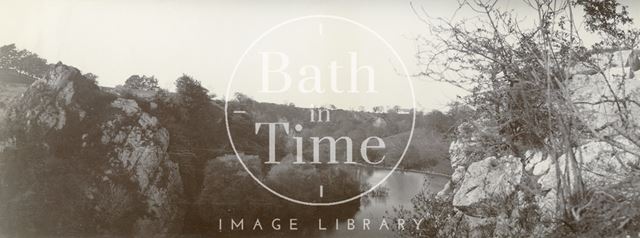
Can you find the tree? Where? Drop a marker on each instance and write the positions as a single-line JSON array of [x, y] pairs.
[[29, 63], [608, 19], [517, 76], [141, 82], [191, 91], [22, 61], [8, 56], [92, 77]]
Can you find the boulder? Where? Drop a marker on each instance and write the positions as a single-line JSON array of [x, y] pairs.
[[487, 185], [128, 106]]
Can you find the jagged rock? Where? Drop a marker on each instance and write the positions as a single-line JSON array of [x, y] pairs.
[[542, 168], [480, 189], [446, 191], [461, 155], [145, 95], [487, 184], [458, 156], [46, 101], [70, 116], [147, 121], [614, 81], [141, 148], [459, 160], [600, 163], [458, 174], [130, 107], [533, 158], [603, 164]]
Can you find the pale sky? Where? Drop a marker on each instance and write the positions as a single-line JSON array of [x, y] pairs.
[[205, 39]]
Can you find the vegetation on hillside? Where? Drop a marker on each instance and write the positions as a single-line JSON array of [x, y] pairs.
[[65, 166], [518, 77]]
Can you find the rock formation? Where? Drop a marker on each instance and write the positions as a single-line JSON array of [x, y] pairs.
[[492, 193], [120, 147]]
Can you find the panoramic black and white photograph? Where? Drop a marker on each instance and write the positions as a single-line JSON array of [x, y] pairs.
[[319, 118]]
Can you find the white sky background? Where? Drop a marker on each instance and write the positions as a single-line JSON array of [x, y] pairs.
[[205, 39]]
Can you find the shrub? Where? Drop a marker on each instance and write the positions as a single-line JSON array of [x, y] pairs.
[[141, 82]]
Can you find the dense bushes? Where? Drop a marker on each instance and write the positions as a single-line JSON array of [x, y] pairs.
[[440, 219], [605, 212], [250, 201]]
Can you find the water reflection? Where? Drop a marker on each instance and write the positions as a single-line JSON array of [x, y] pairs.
[[401, 186]]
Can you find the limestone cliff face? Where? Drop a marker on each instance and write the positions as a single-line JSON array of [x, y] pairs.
[[494, 192], [487, 184], [120, 149], [140, 148]]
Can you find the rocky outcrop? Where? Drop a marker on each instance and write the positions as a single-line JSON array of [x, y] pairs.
[[140, 147], [122, 145], [44, 105], [462, 153], [492, 193], [487, 185], [600, 165]]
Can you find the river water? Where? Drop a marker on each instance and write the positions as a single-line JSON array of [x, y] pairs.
[[401, 187]]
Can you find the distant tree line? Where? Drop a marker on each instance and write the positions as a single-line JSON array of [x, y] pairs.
[[22, 61]]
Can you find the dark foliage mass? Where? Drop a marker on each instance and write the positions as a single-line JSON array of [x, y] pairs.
[[58, 175], [141, 82], [22, 61]]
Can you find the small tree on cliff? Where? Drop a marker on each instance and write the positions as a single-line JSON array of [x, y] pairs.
[[191, 91], [142, 82]]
